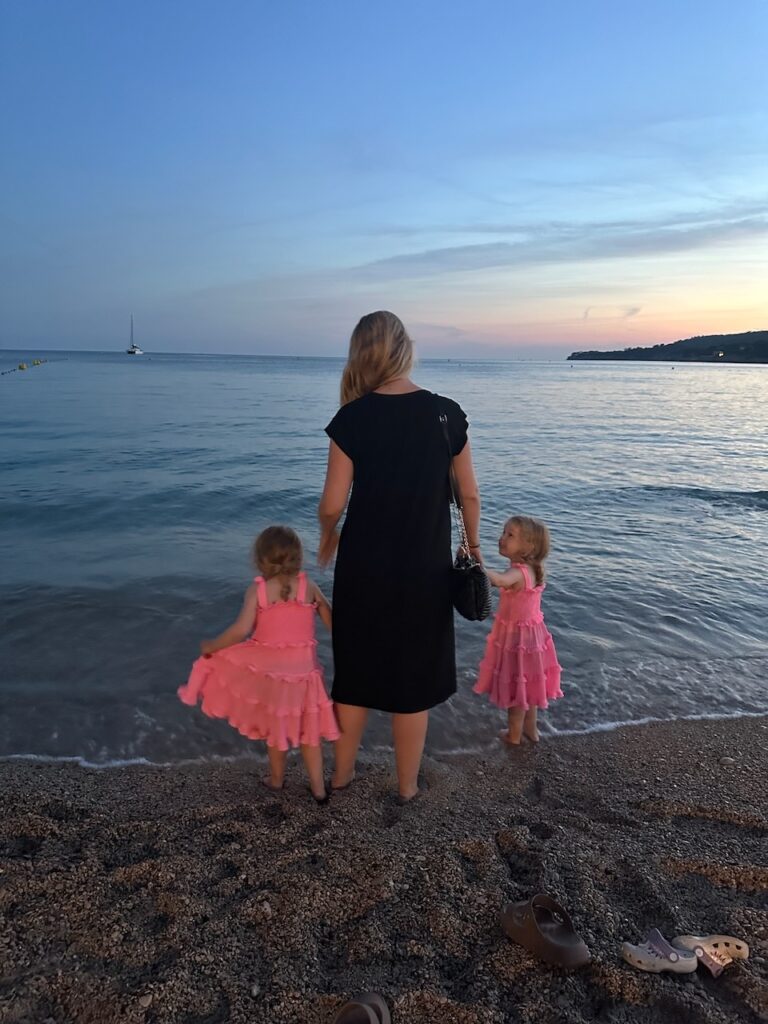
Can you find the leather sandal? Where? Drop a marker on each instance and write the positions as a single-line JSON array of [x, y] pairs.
[[368, 1008], [544, 928], [355, 1013]]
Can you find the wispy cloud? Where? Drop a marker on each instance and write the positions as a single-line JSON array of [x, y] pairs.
[[610, 312], [723, 214], [563, 242]]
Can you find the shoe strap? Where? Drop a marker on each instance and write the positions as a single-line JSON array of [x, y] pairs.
[[715, 962], [659, 946]]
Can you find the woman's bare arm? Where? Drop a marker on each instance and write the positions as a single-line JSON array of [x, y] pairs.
[[464, 471], [338, 483]]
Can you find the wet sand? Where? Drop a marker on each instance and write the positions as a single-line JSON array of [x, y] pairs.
[[193, 896]]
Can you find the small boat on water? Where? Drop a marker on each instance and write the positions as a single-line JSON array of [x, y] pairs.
[[133, 349]]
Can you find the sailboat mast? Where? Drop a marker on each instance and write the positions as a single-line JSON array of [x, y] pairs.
[[131, 330]]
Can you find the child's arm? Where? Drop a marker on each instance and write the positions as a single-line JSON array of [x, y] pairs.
[[509, 580], [240, 628], [323, 607]]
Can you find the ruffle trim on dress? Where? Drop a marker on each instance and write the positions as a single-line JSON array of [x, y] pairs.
[[291, 603], [513, 623], [314, 675], [307, 723], [208, 672], [521, 692], [517, 674], [521, 648], [281, 645], [284, 732]]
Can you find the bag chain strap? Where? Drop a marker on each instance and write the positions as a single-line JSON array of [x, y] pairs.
[[455, 493]]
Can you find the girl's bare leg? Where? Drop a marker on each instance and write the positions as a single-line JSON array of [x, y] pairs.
[[514, 732], [276, 775], [530, 728], [351, 721], [409, 733], [313, 762]]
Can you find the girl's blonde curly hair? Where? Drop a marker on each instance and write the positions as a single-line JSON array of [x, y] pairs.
[[536, 536], [277, 552]]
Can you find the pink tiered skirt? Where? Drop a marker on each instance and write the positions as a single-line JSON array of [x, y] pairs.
[[267, 693], [520, 668]]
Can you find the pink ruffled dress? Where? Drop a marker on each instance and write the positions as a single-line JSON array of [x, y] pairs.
[[270, 687], [520, 667]]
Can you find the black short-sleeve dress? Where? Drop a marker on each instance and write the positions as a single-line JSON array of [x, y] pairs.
[[393, 639]]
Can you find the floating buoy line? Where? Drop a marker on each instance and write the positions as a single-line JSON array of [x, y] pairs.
[[23, 366]]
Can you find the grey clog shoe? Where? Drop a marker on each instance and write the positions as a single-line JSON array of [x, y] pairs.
[[656, 955]]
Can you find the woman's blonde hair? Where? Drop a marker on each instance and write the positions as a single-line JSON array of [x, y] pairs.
[[379, 351], [536, 536], [277, 551]]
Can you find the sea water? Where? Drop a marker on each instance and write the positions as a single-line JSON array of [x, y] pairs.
[[131, 489]]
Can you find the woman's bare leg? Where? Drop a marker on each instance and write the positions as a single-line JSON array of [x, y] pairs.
[[276, 775], [530, 727], [514, 731], [313, 762], [409, 733], [351, 721]]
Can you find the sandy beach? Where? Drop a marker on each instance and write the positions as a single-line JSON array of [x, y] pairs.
[[192, 895]]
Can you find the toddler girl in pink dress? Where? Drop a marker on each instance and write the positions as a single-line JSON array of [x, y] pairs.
[[520, 671], [270, 685]]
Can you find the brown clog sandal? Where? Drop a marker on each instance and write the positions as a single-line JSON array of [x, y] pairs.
[[544, 928], [355, 1013], [377, 1004]]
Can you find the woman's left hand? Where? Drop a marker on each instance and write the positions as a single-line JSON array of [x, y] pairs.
[[328, 544], [473, 552]]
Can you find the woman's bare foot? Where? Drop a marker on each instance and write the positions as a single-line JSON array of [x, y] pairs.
[[409, 797], [338, 783], [506, 737], [274, 784]]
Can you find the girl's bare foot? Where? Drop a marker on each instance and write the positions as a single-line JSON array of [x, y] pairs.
[[506, 737], [270, 783], [530, 726]]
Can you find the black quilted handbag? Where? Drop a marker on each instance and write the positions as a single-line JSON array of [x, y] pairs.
[[471, 586]]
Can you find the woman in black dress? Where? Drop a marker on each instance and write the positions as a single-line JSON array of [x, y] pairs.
[[393, 640]]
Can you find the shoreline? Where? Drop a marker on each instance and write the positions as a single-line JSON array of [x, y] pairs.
[[193, 895], [379, 756]]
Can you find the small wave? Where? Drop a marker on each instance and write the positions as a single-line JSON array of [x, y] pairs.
[[375, 754], [83, 762], [745, 499], [185, 505]]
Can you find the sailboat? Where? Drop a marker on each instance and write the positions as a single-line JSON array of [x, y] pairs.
[[133, 349]]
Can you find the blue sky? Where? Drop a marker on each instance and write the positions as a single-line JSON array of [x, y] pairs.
[[252, 177]]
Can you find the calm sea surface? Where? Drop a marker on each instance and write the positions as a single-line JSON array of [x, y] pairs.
[[131, 489]]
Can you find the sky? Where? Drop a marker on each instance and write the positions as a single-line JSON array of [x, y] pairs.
[[513, 180]]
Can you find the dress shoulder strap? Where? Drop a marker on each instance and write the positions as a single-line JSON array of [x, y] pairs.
[[526, 575], [261, 591], [301, 590]]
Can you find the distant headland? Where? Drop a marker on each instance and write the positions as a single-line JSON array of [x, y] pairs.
[[749, 347]]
